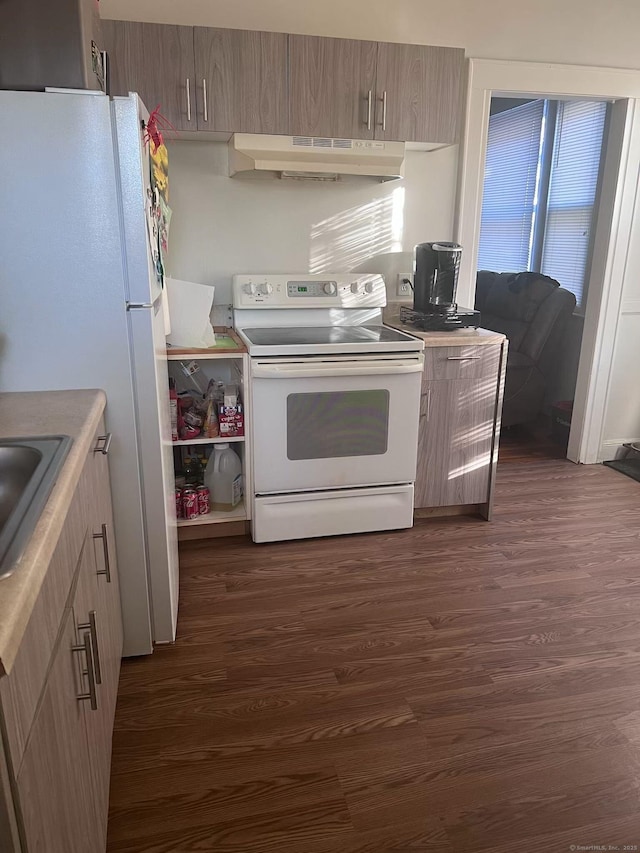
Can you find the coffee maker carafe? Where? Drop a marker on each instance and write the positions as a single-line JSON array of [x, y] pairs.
[[435, 279], [435, 282]]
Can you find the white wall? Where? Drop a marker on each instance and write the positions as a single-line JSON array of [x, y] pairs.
[[221, 225], [580, 32]]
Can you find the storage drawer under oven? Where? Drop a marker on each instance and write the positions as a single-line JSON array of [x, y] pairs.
[[468, 362]]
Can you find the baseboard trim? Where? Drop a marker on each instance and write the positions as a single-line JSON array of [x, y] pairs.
[[612, 448]]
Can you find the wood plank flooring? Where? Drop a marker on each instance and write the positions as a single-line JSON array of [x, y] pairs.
[[460, 687]]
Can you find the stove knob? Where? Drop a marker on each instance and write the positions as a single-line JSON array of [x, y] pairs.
[[250, 288], [329, 288], [265, 289], [369, 287], [355, 287]]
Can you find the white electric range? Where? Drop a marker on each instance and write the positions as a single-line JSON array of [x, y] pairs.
[[335, 399]]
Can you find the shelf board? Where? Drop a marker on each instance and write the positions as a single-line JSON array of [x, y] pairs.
[[239, 513], [221, 350], [219, 440]]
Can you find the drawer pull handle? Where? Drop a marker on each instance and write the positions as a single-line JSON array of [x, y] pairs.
[[463, 357], [91, 626], [425, 412], [91, 695], [106, 444], [188, 99], [105, 550]]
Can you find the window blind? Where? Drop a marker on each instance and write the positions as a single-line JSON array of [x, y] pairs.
[[511, 171], [575, 169]]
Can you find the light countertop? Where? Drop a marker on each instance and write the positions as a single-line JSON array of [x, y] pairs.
[[34, 413], [456, 338]]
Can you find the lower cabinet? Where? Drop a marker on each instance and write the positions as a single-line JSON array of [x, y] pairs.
[[58, 702], [461, 401], [56, 796]]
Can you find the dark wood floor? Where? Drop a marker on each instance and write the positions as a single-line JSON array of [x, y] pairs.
[[530, 443], [455, 688]]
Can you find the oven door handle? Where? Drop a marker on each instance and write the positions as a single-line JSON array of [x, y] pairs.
[[296, 371]]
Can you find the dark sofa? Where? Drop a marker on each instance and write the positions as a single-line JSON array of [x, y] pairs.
[[531, 310]]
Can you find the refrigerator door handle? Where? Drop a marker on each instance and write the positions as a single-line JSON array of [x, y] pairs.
[[134, 306]]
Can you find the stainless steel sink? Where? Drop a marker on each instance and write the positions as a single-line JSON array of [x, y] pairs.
[[29, 468]]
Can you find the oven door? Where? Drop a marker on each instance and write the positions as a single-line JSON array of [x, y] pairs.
[[334, 422]]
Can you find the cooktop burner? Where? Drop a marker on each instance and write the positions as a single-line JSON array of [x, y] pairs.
[[323, 335]]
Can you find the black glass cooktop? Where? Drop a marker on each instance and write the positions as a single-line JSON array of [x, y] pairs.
[[303, 335]]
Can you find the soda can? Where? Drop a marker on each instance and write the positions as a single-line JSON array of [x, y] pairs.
[[179, 512], [189, 503], [203, 500]]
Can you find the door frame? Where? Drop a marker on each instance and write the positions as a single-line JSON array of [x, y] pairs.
[[618, 215]]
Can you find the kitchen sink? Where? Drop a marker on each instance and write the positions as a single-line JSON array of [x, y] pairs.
[[29, 468]]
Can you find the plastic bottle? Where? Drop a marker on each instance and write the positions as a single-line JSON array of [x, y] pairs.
[[192, 471], [223, 476]]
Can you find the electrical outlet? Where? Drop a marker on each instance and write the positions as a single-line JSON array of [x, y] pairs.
[[403, 289]]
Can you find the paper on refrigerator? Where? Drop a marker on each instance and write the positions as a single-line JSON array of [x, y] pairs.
[[189, 309]]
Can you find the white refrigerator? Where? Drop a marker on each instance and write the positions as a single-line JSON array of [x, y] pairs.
[[81, 307]]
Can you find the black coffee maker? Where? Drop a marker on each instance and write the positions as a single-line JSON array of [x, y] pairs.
[[435, 282]]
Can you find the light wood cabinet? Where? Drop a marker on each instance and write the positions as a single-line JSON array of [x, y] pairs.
[[157, 62], [54, 783], [332, 87], [58, 702], [419, 91], [461, 401], [241, 80], [210, 79]]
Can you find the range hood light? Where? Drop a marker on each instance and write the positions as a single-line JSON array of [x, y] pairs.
[[310, 176]]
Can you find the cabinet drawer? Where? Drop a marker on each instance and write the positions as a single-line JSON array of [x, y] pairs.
[[468, 362], [20, 691]]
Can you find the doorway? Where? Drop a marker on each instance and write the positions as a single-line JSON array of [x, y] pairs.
[[618, 215], [542, 181]]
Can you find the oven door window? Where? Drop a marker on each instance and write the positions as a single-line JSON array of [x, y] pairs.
[[332, 424]]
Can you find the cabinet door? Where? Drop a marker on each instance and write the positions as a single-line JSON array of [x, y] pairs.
[[156, 61], [241, 80], [106, 569], [89, 618], [419, 93], [455, 441], [54, 781], [332, 87]]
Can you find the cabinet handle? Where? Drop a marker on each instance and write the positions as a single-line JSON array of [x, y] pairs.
[[92, 694], [91, 627], [188, 99], [105, 550], [368, 100], [384, 110], [425, 414], [104, 449], [204, 96], [463, 357]]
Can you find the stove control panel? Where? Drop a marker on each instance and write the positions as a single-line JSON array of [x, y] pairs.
[[309, 291]]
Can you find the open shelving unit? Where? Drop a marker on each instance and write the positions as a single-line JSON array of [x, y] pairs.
[[227, 360]]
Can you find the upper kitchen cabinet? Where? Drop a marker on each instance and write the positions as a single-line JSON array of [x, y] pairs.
[[332, 87], [419, 93], [242, 80], [156, 61]]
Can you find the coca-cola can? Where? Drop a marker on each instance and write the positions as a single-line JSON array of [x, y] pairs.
[[203, 500], [189, 503], [179, 511]]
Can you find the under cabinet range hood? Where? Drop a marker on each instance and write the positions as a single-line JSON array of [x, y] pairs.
[[315, 157]]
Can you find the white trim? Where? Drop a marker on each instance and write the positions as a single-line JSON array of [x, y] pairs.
[[609, 449], [631, 306], [487, 77]]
